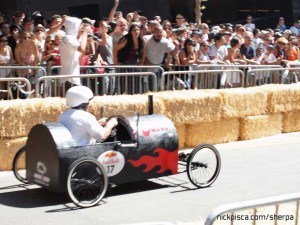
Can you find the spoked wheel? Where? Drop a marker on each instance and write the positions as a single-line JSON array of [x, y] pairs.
[[203, 165], [19, 165], [87, 182]]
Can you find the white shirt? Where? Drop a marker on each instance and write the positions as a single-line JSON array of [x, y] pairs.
[[82, 125], [294, 30], [156, 50], [250, 26], [218, 53]]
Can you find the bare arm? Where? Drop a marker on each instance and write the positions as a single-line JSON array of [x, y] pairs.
[[113, 11], [116, 49], [108, 128]]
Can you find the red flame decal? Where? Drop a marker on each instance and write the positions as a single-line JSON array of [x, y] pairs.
[[165, 159]]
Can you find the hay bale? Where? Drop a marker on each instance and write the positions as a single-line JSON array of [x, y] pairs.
[[282, 97], [291, 121], [239, 102], [181, 132], [17, 117], [260, 126], [125, 105], [222, 131], [8, 149], [193, 106]]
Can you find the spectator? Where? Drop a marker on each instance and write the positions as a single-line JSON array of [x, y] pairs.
[[55, 26], [120, 30], [218, 50], [280, 47], [71, 47], [187, 57], [292, 51], [205, 31], [227, 37], [27, 54], [256, 40], [129, 18], [115, 15], [295, 28], [249, 25], [156, 48], [18, 18], [228, 28], [234, 57], [2, 18], [197, 38], [202, 56], [6, 58], [130, 51], [281, 26], [266, 41], [14, 37], [157, 18], [40, 38], [28, 25], [247, 49], [49, 54], [4, 29], [241, 31], [180, 22], [106, 52]]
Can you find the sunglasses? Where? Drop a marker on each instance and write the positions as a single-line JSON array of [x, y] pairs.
[[3, 41], [204, 46], [180, 18], [38, 31]]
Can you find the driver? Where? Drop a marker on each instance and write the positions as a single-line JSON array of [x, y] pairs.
[[83, 126]]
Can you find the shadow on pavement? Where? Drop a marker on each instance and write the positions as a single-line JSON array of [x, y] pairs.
[[24, 196]]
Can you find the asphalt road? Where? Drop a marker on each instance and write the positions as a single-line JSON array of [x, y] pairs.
[[250, 169]]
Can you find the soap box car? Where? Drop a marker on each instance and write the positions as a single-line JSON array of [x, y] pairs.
[[141, 147]]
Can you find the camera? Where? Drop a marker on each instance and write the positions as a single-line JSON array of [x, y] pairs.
[[94, 37]]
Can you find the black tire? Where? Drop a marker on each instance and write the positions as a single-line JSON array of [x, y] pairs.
[[203, 165], [87, 182], [20, 173]]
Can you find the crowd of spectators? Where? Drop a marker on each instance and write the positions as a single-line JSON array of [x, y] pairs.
[[134, 39]]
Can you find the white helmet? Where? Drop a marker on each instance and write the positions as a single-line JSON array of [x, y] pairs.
[[77, 95]]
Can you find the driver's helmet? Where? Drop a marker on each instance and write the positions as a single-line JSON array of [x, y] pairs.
[[78, 95]]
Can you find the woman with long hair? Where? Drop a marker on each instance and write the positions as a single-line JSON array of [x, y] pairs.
[[130, 51]]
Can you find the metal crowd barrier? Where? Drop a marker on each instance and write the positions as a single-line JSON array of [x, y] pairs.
[[15, 87], [54, 85], [273, 75], [232, 211], [198, 79]]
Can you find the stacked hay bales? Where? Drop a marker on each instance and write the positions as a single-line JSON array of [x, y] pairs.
[[260, 126], [291, 121], [17, 117], [221, 131], [8, 149], [200, 116]]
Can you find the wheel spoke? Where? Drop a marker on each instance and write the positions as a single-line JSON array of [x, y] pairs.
[[203, 165]]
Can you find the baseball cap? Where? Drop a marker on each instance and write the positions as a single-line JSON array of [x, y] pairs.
[[88, 20]]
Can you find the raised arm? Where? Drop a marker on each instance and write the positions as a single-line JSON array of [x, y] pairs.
[[113, 11]]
